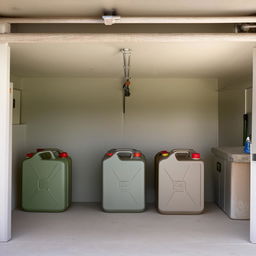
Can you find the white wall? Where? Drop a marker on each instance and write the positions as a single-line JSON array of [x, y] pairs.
[[16, 80], [84, 117], [231, 110], [18, 154]]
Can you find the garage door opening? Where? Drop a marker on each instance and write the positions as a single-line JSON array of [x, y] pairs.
[[184, 95]]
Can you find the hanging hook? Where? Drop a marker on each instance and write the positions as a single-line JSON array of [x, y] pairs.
[[127, 61], [126, 86]]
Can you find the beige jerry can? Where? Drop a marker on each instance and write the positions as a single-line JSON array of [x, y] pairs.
[[179, 182]]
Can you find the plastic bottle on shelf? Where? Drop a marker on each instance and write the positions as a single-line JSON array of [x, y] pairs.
[[247, 146]]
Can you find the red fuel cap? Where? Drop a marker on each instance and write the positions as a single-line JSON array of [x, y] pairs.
[[195, 156], [137, 154], [63, 155], [29, 155], [109, 154], [164, 153]]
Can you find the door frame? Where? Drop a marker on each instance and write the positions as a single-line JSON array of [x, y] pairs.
[[6, 144], [253, 157], [5, 109]]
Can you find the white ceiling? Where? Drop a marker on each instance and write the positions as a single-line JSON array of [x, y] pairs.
[[148, 59], [126, 7]]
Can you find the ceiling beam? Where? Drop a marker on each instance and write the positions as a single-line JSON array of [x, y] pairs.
[[132, 20], [5, 28], [125, 38]]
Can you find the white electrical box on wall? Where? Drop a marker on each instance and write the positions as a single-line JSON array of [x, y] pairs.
[[16, 106]]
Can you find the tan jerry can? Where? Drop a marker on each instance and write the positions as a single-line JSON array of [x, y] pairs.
[[179, 182]]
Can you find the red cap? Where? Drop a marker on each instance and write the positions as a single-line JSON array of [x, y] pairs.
[[109, 154], [127, 83], [137, 154], [29, 155], [195, 156], [164, 153], [63, 155]]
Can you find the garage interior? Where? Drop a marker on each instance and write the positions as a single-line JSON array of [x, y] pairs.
[[184, 94]]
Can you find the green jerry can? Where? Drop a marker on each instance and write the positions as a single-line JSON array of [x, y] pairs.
[[46, 181], [124, 181], [64, 155]]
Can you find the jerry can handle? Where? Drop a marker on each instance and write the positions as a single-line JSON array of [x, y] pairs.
[[125, 151], [54, 149], [38, 154], [189, 152], [183, 151]]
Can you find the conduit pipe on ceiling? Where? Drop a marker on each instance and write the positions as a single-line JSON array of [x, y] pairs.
[[109, 20]]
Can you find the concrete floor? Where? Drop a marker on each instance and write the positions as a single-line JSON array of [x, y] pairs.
[[85, 230]]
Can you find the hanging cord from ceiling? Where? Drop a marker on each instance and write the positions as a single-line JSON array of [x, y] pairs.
[[126, 86]]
